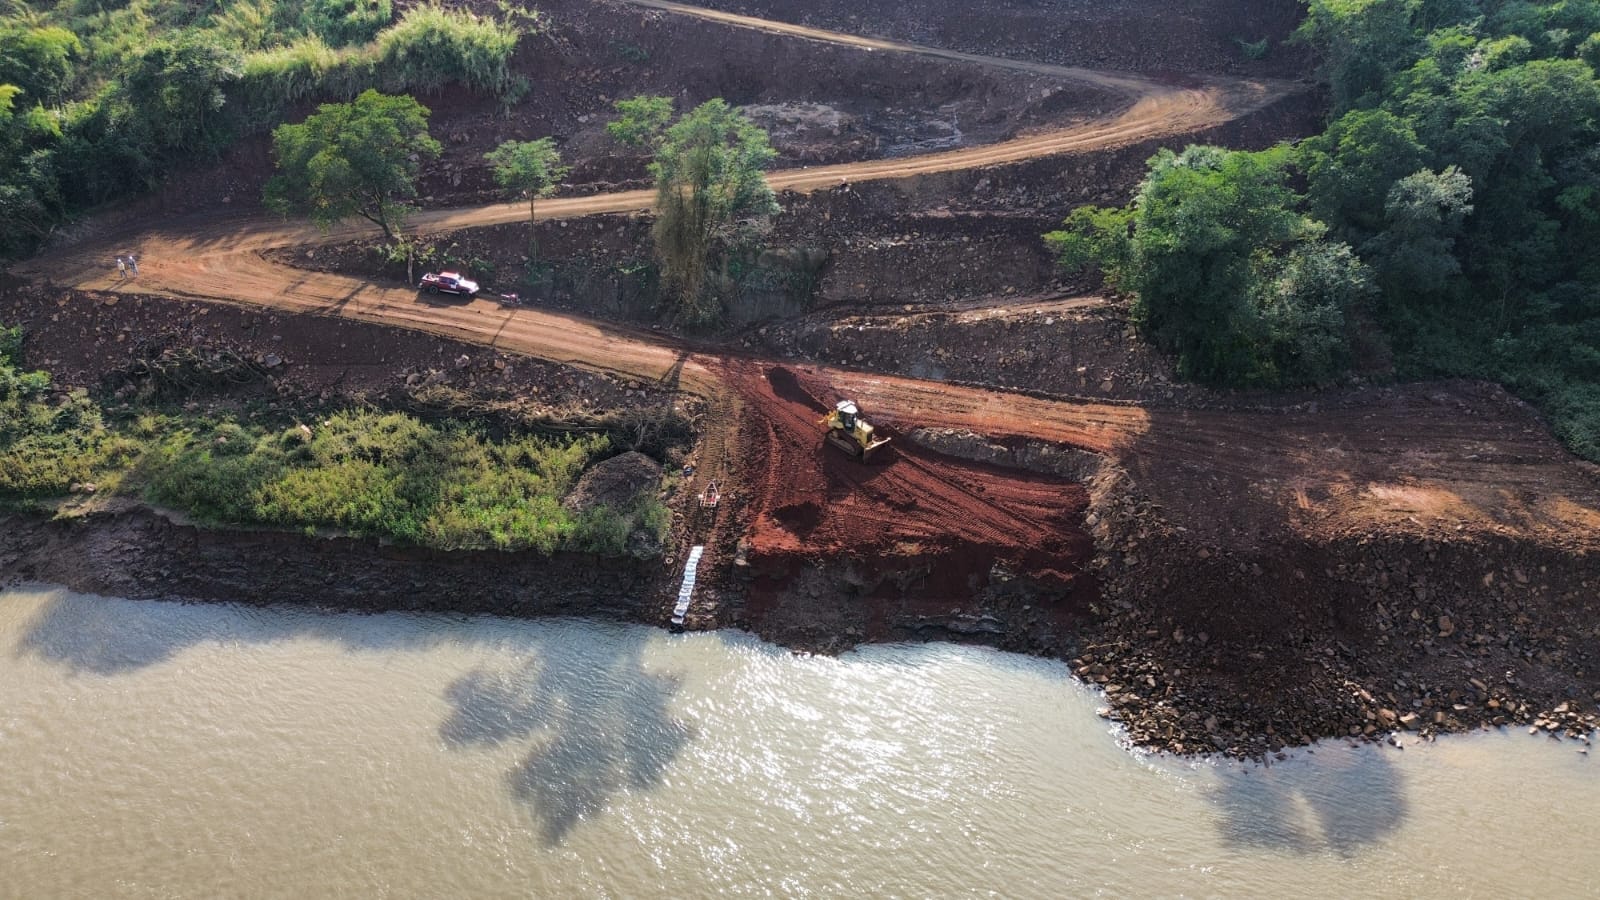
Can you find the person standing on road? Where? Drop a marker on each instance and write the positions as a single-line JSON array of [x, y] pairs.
[[133, 263], [122, 268]]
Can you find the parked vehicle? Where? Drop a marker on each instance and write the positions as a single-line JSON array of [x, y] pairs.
[[448, 283]]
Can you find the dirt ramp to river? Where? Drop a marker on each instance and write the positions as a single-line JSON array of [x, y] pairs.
[[929, 539]]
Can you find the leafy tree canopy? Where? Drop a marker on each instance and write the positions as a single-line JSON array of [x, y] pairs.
[[712, 197], [528, 170], [352, 159], [1227, 274], [1462, 165]]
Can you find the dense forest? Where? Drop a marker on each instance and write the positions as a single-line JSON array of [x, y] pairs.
[[1450, 214], [99, 99]]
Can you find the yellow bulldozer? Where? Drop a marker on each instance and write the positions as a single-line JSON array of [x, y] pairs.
[[845, 428]]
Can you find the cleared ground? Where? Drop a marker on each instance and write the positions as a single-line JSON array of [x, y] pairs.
[[1415, 460]]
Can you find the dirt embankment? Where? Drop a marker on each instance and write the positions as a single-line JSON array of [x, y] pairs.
[[1248, 650], [1199, 36], [1419, 557], [138, 553], [912, 544], [822, 103], [109, 341]]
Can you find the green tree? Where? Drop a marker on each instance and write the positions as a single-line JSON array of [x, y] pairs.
[[1350, 168], [1226, 272], [38, 60], [353, 159], [176, 90], [712, 196], [1415, 253], [528, 170]]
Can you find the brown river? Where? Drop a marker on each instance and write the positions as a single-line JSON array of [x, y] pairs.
[[166, 750]]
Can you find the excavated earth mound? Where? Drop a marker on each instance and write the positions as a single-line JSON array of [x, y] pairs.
[[615, 483], [910, 522]]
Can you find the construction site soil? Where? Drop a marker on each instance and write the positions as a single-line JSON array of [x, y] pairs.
[[103, 341], [823, 102], [1120, 34], [1239, 573]]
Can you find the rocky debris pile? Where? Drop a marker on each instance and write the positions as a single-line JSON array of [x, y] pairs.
[[1034, 456], [1202, 649], [1015, 343], [617, 483], [812, 133]]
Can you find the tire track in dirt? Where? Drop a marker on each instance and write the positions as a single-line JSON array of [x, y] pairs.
[[909, 508], [1407, 467]]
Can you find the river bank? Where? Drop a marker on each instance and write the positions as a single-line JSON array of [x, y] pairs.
[[1197, 652]]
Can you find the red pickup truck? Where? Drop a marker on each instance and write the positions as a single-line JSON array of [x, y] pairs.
[[448, 283]]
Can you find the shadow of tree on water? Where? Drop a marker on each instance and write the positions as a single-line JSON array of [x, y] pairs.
[[1341, 801], [597, 720], [113, 636]]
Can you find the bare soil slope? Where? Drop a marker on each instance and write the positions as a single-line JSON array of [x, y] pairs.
[[1196, 514]]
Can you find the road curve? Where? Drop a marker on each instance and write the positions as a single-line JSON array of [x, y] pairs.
[[219, 257], [1377, 466]]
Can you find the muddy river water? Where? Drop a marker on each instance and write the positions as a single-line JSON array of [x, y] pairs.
[[165, 750]]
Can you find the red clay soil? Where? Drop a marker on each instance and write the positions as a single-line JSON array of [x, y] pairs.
[[909, 510]]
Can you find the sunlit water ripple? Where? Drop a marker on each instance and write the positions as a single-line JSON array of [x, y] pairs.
[[167, 750]]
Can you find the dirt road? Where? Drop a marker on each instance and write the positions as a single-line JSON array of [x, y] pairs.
[[1424, 462]]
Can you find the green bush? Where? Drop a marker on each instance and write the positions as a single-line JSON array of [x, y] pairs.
[[341, 22], [1254, 50], [431, 46], [273, 79], [212, 473], [1227, 274], [47, 443], [383, 474], [38, 60]]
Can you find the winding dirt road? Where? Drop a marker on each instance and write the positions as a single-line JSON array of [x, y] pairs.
[[1426, 462]]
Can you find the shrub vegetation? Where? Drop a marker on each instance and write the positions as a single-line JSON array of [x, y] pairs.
[[384, 474]]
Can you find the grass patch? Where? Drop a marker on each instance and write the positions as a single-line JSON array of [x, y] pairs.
[[447, 484], [384, 475]]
